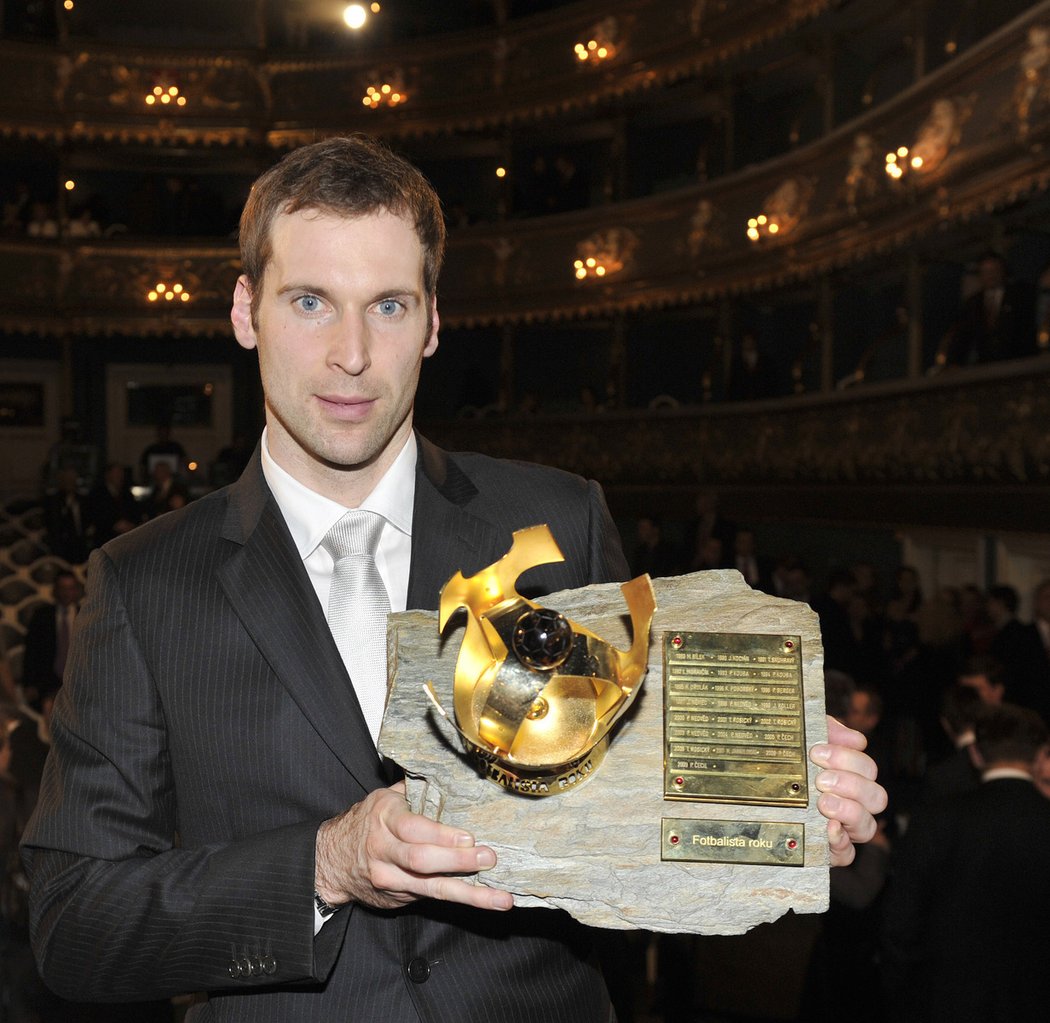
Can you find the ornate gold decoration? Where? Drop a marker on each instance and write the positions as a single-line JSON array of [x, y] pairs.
[[782, 210], [602, 43], [604, 252], [536, 694], [704, 228], [861, 182], [1033, 82]]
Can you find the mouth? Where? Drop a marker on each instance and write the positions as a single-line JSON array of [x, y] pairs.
[[351, 409]]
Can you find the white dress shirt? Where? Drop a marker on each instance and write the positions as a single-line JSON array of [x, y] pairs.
[[309, 516]]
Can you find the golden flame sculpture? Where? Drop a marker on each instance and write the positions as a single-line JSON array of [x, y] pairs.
[[535, 694]]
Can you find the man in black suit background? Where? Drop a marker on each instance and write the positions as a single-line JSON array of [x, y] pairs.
[[998, 320], [969, 896], [215, 816], [48, 638], [112, 508]]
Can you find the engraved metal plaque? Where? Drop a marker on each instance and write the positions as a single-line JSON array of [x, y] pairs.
[[734, 719], [762, 842]]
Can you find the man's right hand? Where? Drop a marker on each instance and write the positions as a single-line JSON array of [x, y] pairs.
[[381, 854]]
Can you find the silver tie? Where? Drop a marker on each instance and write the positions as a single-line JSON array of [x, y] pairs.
[[358, 606]]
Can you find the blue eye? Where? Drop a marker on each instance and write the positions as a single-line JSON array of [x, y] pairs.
[[389, 307], [309, 303]]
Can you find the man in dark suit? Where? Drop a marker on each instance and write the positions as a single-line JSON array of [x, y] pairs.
[[215, 816], [112, 508], [48, 638], [1039, 643], [997, 321], [969, 897], [1018, 648], [65, 518]]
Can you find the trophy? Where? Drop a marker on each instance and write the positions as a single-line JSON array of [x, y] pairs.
[[634, 754]]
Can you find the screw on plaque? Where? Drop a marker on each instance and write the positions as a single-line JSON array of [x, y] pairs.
[[677, 642]]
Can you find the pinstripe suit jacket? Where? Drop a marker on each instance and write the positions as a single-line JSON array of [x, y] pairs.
[[207, 726]]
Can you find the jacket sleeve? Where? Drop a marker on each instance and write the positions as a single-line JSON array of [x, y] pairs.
[[118, 910]]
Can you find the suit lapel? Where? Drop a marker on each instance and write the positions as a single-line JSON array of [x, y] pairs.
[[445, 536], [268, 587]]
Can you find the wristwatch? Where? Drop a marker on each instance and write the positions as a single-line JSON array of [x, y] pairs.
[[323, 909]]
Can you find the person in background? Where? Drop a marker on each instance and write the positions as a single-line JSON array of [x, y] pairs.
[[969, 895], [111, 507], [164, 448], [653, 554], [49, 637], [960, 708], [66, 519], [998, 320]]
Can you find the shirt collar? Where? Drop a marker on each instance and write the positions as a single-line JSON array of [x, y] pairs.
[[310, 515], [996, 773]]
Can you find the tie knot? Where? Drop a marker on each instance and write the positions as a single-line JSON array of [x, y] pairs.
[[357, 532]]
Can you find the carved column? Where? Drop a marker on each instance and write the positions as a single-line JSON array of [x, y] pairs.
[[65, 396], [918, 36], [260, 24], [618, 162], [506, 367], [616, 383], [729, 122], [827, 84], [725, 331], [913, 287], [826, 324]]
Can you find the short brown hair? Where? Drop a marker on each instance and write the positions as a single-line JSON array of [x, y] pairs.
[[349, 176], [1009, 734]]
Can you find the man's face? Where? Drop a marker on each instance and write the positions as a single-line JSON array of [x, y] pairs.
[[990, 692], [862, 714], [342, 331], [67, 590]]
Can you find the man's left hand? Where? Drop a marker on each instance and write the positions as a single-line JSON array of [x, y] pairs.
[[850, 795]]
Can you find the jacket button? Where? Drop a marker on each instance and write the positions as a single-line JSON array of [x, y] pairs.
[[269, 965], [418, 971], [234, 969], [244, 965]]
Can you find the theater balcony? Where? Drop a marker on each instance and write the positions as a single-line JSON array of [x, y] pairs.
[[817, 181]]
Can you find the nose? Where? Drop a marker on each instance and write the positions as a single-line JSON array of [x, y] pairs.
[[349, 347]]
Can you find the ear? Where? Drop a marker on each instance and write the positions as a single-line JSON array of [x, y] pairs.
[[430, 347], [241, 314]]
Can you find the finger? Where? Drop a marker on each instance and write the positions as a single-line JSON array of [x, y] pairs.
[[840, 847], [842, 735], [451, 889], [855, 820], [844, 759], [425, 860], [400, 885], [417, 829], [853, 785]]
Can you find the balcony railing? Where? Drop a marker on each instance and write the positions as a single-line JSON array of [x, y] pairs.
[[970, 448]]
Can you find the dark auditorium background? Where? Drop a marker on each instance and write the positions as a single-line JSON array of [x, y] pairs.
[[776, 273]]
